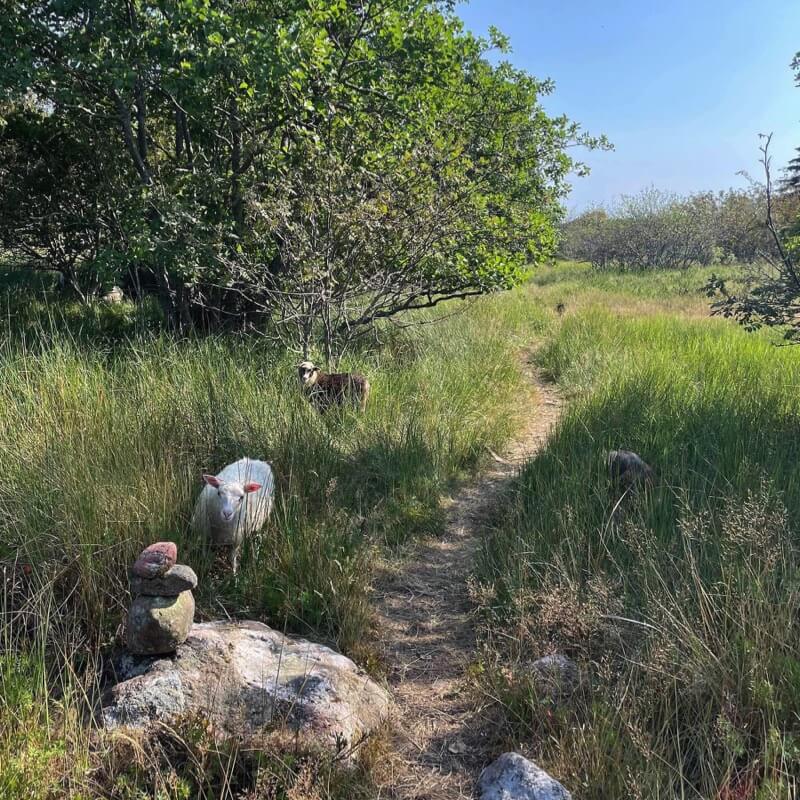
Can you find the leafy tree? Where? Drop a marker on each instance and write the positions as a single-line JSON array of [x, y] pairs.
[[315, 165], [740, 233], [651, 230], [791, 181], [588, 237], [771, 294], [389, 211], [655, 230], [49, 208]]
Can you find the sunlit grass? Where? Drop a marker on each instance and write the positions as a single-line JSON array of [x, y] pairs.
[[682, 606], [102, 445]]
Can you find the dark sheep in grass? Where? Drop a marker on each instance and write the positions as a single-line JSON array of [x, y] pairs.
[[629, 471], [333, 389]]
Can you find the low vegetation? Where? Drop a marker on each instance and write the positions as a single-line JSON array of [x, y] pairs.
[[680, 605], [103, 445]]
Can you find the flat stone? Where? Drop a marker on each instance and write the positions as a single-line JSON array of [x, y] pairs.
[[513, 777], [175, 580], [159, 624], [248, 679], [156, 559]]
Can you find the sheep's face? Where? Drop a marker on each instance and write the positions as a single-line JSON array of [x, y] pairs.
[[307, 373], [230, 495]]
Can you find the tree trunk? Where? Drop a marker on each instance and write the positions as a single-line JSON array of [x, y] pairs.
[[237, 206]]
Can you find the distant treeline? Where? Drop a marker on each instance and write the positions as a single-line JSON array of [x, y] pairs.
[[655, 229]]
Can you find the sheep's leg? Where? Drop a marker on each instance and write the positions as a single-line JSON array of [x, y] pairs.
[[233, 555]]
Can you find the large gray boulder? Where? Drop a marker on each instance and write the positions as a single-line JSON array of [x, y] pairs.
[[513, 777], [246, 678]]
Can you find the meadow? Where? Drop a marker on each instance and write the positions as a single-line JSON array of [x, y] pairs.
[[680, 607], [106, 429]]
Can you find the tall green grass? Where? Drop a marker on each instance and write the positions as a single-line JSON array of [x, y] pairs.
[[569, 277], [680, 604], [580, 287], [102, 445]]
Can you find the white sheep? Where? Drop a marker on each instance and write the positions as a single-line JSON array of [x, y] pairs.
[[234, 505]]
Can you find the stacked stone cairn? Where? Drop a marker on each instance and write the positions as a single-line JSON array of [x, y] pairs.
[[162, 610]]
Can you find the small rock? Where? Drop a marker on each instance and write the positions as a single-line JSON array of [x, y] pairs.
[[555, 677], [513, 777], [175, 580], [156, 559], [159, 624]]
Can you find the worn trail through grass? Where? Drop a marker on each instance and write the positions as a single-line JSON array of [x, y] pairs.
[[426, 628]]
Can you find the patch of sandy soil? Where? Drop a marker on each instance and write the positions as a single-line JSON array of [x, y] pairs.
[[426, 630]]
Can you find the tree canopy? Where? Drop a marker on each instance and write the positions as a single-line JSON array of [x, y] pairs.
[[791, 180], [314, 165]]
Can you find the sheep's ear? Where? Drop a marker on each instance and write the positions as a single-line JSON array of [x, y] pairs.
[[252, 487], [212, 480]]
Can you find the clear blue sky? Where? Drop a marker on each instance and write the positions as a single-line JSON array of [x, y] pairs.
[[681, 88]]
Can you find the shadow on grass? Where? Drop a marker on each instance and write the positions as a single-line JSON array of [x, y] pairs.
[[706, 451]]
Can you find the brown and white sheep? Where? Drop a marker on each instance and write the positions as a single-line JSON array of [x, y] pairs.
[[329, 389], [114, 296]]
